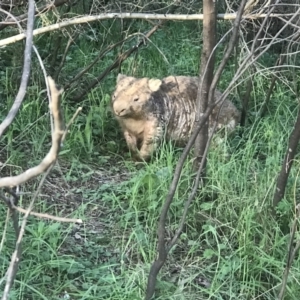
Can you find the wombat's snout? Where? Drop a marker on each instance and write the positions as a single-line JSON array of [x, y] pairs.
[[119, 111]]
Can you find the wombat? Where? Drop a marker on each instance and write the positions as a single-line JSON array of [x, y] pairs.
[[149, 110]]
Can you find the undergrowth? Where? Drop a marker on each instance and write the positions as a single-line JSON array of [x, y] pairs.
[[231, 246]]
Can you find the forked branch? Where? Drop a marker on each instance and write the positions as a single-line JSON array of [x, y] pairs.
[[163, 249]]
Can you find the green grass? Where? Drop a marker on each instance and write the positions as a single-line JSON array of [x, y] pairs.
[[230, 238]]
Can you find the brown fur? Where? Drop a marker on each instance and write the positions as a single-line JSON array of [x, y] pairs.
[[149, 108]]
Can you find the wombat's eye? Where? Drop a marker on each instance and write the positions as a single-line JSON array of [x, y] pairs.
[[136, 99]]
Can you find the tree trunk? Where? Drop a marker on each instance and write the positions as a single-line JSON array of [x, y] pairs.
[[205, 76]]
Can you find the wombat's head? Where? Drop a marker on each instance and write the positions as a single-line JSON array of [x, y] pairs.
[[131, 96]]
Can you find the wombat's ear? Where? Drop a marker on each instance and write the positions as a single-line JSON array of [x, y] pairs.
[[120, 77], [154, 84]]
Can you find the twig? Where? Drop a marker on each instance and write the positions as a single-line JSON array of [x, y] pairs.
[[21, 18], [279, 63], [79, 109], [162, 17], [26, 70], [16, 257], [194, 190], [47, 216], [245, 100], [99, 57], [57, 44], [70, 42], [116, 63], [245, 63], [4, 230], [47, 84], [292, 251], [14, 197]]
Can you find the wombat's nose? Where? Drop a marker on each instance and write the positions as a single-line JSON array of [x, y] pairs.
[[119, 112]]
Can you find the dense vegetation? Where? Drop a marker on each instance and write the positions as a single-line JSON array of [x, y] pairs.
[[232, 247]]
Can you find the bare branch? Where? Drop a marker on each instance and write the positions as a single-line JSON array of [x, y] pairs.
[[79, 109], [46, 165], [205, 75], [22, 18], [123, 56], [287, 163], [245, 63], [162, 250], [4, 230], [194, 190], [70, 42], [292, 251], [47, 216], [16, 257], [50, 158], [40, 62], [280, 61], [26, 71], [162, 17], [99, 57]]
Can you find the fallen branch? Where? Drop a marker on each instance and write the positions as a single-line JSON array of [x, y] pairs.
[[47, 216], [162, 17]]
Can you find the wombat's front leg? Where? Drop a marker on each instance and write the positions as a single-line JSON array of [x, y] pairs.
[[131, 142], [152, 137]]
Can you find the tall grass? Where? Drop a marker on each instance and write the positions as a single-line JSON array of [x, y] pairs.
[[231, 246]]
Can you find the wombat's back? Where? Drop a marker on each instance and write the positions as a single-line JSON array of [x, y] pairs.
[[180, 95]]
